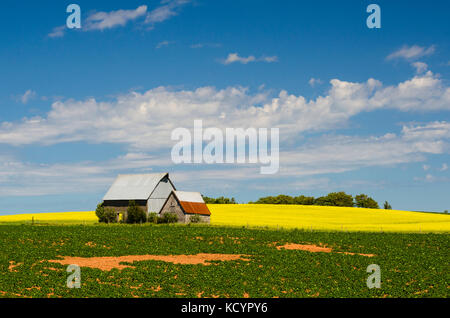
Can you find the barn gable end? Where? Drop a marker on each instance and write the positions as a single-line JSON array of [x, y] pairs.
[[185, 205], [159, 195]]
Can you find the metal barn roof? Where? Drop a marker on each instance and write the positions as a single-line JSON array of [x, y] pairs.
[[195, 208], [195, 197], [192, 202], [134, 186]]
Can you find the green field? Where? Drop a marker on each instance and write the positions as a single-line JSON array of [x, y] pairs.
[[412, 265]]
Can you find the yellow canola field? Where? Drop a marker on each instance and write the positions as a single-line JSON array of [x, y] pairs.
[[283, 216], [328, 218], [51, 218]]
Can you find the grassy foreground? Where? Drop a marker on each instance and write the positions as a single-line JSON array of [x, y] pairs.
[[284, 216], [412, 265]]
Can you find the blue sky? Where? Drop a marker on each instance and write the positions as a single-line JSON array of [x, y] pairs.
[[359, 110]]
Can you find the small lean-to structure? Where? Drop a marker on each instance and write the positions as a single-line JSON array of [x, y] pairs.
[[186, 205]]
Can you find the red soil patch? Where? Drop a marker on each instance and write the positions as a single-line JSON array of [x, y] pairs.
[[350, 253], [13, 265], [107, 263], [315, 249], [305, 247]]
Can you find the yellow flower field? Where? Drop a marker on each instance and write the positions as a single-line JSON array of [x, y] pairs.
[[283, 216], [51, 218], [328, 218]]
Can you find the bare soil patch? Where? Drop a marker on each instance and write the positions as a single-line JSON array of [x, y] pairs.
[[107, 263], [305, 247], [13, 265], [316, 248]]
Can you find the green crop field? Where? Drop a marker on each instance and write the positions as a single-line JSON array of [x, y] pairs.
[[412, 265]]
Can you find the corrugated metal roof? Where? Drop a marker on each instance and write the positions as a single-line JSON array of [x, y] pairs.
[[195, 208], [189, 196], [134, 186]]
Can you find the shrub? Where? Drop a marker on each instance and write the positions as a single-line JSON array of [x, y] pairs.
[[152, 218], [168, 218], [364, 201], [100, 213], [195, 218], [135, 214], [110, 215]]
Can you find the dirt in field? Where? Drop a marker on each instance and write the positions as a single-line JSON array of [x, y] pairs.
[[315, 248], [107, 263], [13, 265], [305, 247]]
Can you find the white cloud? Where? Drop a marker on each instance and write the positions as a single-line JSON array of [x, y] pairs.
[[317, 156], [27, 96], [335, 154], [168, 9], [235, 58], [31, 179], [411, 52], [268, 59], [202, 45], [140, 120], [57, 32], [420, 67], [163, 44], [314, 81], [108, 20], [444, 167], [100, 21], [426, 167]]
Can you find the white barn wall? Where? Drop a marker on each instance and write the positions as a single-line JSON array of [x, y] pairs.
[[160, 195]]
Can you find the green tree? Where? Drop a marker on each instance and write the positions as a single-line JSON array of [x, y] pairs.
[[387, 206], [364, 201], [335, 199], [219, 200], [302, 200], [135, 214]]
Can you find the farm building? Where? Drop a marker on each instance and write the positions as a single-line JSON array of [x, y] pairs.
[[154, 193], [149, 191], [186, 205]]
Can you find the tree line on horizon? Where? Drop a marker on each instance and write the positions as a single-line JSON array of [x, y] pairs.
[[340, 199]]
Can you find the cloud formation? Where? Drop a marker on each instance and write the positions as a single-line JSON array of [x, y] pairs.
[[411, 52], [163, 44], [168, 9], [139, 119], [27, 96], [235, 58], [108, 20], [99, 21]]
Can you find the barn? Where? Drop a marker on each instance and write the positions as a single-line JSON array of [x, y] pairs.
[[186, 205], [149, 191]]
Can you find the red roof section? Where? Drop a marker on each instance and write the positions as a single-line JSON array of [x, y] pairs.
[[195, 208]]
